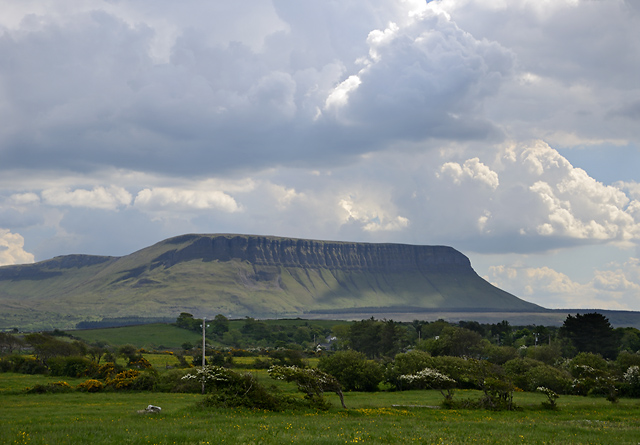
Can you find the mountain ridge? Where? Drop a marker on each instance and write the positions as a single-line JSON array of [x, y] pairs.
[[247, 275]]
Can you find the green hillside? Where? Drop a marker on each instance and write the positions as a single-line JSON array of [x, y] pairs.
[[243, 275]]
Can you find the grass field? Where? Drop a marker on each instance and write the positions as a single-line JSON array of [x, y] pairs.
[[107, 418], [148, 336], [163, 335]]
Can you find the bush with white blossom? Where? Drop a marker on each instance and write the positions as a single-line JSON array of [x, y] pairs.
[[433, 379]]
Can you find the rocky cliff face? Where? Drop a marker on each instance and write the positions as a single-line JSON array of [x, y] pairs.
[[287, 252]]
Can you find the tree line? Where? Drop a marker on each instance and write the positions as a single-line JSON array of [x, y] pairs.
[[585, 356]]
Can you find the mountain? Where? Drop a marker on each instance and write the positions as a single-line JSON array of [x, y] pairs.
[[246, 275]]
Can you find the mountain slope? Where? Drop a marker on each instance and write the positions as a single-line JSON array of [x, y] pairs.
[[242, 275]]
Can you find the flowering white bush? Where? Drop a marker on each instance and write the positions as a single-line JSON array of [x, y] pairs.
[[632, 375], [431, 377], [551, 396], [585, 371], [434, 379], [209, 374]]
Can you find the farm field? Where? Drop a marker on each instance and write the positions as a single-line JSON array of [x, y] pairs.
[[106, 418], [148, 336]]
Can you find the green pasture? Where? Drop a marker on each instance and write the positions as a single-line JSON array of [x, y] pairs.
[[106, 418], [167, 336], [148, 336]]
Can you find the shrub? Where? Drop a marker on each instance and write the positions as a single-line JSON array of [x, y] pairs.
[[592, 377], [625, 360], [353, 370], [587, 364], [22, 365], [498, 394], [288, 357], [310, 381], [259, 363], [106, 371], [462, 370], [123, 380], [90, 385], [499, 354], [145, 381], [548, 354], [230, 389], [171, 381], [139, 362], [50, 388], [517, 369], [405, 364], [68, 366], [433, 379], [548, 377], [550, 403], [631, 381]]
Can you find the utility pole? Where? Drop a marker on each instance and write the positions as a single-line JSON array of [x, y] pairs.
[[203, 345], [204, 325]]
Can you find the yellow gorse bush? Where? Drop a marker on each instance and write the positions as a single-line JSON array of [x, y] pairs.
[[91, 385], [124, 379]]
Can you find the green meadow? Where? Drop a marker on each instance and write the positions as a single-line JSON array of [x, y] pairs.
[[383, 417], [148, 336]]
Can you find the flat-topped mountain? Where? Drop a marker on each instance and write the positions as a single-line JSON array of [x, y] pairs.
[[246, 275]]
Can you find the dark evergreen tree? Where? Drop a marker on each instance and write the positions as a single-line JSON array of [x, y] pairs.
[[591, 332], [365, 337]]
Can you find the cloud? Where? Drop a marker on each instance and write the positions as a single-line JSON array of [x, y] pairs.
[[471, 169], [575, 60], [176, 200], [109, 198], [12, 249], [371, 215], [86, 90], [426, 79], [617, 286], [536, 195]]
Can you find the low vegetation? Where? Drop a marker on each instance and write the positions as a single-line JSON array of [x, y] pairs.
[[371, 380]]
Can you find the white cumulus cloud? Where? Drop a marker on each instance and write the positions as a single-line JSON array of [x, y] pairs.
[[108, 198], [12, 249], [175, 199]]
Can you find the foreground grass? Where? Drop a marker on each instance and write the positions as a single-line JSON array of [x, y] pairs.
[[106, 418]]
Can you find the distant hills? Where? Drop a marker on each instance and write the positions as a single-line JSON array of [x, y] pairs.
[[247, 275]]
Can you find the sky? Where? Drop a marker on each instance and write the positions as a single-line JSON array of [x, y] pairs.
[[507, 129]]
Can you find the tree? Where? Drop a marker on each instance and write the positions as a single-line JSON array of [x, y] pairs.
[[220, 325], [629, 339], [186, 321], [96, 353], [454, 341], [376, 338], [591, 332], [45, 346], [364, 336], [503, 333], [258, 330], [310, 381], [433, 379], [353, 370], [9, 343], [408, 363]]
